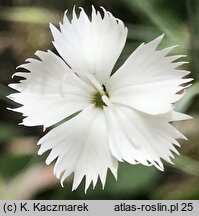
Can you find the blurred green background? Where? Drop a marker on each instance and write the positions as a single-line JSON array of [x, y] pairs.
[[24, 29]]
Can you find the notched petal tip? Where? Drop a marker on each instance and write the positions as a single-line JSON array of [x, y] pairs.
[[169, 160], [174, 150], [62, 183], [185, 138], [81, 9], [189, 117], [40, 142], [44, 128], [104, 10], [22, 65], [65, 12], [50, 25], [162, 35], [152, 45], [37, 53], [158, 39], [48, 161], [11, 85], [74, 14], [177, 116], [179, 63], [93, 8], [40, 152], [159, 165], [53, 28]]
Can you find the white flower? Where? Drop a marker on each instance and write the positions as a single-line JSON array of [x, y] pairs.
[[121, 116]]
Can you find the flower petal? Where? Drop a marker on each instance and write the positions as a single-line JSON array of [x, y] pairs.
[[81, 148], [149, 80], [90, 46], [50, 92], [145, 138]]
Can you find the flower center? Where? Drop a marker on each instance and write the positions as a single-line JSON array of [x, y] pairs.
[[97, 98]]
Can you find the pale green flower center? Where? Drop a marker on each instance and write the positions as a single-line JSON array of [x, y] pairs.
[[97, 98]]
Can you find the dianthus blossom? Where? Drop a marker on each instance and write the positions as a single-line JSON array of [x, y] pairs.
[[101, 116]]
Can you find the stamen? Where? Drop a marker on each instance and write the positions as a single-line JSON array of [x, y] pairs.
[[106, 100], [101, 99], [97, 100], [94, 82]]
